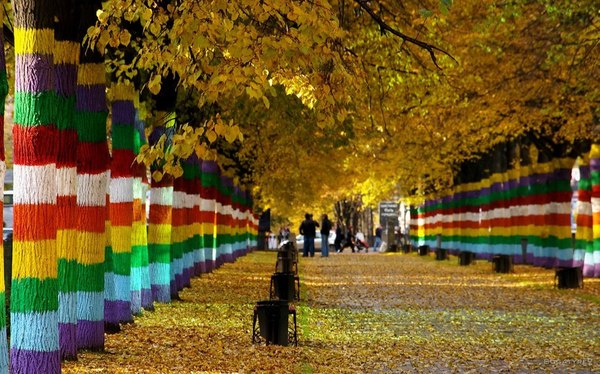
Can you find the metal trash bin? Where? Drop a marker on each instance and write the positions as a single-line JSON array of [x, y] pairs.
[[272, 318]]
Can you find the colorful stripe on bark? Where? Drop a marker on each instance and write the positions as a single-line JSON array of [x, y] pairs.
[[93, 160], [147, 301], [222, 208], [121, 200], [198, 239], [139, 239], [188, 248], [178, 236], [66, 58], [34, 291], [584, 235], [208, 195], [3, 94], [159, 229], [494, 215], [592, 262]]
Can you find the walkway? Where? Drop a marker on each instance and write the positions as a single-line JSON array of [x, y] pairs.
[[375, 313]]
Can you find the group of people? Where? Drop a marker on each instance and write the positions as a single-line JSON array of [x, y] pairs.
[[355, 241]]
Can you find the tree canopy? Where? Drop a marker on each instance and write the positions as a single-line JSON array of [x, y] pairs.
[[311, 101]]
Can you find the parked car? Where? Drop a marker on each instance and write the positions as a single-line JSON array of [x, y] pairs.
[[331, 241], [8, 214]]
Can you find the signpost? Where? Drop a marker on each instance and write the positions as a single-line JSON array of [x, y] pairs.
[[388, 218]]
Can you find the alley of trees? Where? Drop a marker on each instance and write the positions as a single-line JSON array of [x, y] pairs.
[[476, 114]]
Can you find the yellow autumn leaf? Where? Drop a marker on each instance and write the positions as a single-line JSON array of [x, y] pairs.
[[125, 38]]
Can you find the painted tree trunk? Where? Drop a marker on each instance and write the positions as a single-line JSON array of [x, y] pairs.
[[236, 221], [592, 261], [223, 219], [34, 293], [585, 239], [3, 93], [159, 228], [178, 236], [66, 58], [208, 196], [121, 201], [188, 247], [198, 239], [140, 277], [93, 160], [141, 170]]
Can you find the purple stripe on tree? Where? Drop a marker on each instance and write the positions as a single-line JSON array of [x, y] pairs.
[[34, 362], [209, 166], [91, 98], [66, 79], [161, 293], [90, 334], [123, 112], [116, 311], [147, 302], [39, 70], [67, 336]]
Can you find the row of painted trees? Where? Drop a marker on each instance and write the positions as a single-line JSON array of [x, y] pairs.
[[84, 257], [521, 203]]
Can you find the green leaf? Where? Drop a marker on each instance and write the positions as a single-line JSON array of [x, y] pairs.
[[426, 13]]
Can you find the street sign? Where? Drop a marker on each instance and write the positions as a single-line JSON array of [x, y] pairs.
[[388, 213]]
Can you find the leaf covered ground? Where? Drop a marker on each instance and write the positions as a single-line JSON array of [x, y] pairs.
[[376, 313]]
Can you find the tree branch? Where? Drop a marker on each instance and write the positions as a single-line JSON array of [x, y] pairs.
[[385, 27]]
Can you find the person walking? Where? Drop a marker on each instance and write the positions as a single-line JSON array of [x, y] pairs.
[[325, 228], [349, 239], [378, 235], [308, 228], [339, 236]]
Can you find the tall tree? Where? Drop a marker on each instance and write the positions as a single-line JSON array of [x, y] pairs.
[[93, 160], [121, 199], [208, 194], [159, 225], [66, 58], [34, 292], [3, 94]]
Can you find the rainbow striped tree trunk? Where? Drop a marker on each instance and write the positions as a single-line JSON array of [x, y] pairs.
[[227, 209], [254, 236], [208, 195], [111, 322], [188, 247], [236, 221], [34, 292], [178, 236], [121, 201], [66, 58], [3, 93], [246, 222], [159, 229], [584, 236], [560, 213], [592, 268], [198, 239], [140, 276], [583, 255], [93, 160], [147, 301]]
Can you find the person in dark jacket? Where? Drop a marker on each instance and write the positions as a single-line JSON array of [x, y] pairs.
[[339, 237], [349, 239], [325, 228], [308, 228]]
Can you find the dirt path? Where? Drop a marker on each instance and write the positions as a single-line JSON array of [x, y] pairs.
[[375, 313], [404, 313]]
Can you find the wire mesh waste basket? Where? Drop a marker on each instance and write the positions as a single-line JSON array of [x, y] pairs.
[[285, 286], [272, 317]]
